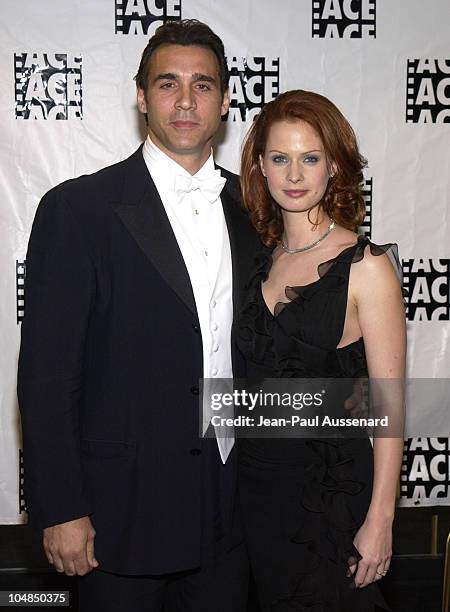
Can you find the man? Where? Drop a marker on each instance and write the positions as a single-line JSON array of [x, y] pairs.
[[133, 274]]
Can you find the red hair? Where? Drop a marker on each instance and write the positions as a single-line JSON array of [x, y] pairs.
[[342, 200]]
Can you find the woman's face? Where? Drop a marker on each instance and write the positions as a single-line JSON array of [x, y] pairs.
[[295, 166]]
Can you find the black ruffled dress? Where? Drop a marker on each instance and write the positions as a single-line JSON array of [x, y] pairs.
[[303, 500]]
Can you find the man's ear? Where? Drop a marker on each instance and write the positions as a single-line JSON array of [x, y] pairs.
[[225, 102], [141, 102], [261, 165]]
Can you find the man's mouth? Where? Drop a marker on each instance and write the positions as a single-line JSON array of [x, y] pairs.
[[182, 124]]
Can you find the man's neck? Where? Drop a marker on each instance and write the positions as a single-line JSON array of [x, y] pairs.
[[191, 162]]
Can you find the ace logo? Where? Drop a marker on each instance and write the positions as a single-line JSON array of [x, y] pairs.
[[428, 91], [427, 283], [48, 86], [253, 82], [425, 469], [344, 18], [145, 16]]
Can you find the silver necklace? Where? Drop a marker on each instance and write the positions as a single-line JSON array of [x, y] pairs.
[[285, 247]]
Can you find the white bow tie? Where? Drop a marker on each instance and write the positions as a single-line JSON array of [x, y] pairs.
[[210, 187]]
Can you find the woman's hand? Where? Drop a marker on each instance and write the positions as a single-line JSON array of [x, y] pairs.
[[374, 542]]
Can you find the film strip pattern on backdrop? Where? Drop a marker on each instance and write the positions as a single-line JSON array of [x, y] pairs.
[[344, 19], [254, 81], [139, 17], [367, 192], [48, 86], [424, 472], [427, 284], [22, 502], [428, 81], [20, 289]]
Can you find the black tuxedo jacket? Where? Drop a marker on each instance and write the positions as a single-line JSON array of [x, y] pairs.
[[109, 368]]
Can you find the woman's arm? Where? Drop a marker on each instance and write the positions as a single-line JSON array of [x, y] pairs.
[[376, 291]]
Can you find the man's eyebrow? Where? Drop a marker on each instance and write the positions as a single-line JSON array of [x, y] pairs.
[[197, 76], [166, 76]]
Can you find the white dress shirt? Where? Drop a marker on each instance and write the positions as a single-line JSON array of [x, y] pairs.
[[201, 232]]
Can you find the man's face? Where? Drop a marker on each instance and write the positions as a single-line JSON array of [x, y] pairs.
[[183, 101]]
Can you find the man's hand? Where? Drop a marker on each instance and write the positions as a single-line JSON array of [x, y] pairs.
[[70, 546]]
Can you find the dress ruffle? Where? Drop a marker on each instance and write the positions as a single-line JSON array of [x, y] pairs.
[[263, 341], [326, 532], [327, 520]]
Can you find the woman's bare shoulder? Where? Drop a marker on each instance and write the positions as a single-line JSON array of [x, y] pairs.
[[374, 272]]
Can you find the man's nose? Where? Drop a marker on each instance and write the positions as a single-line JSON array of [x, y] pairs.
[[186, 98]]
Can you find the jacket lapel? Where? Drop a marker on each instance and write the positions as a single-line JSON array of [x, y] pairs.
[[142, 213]]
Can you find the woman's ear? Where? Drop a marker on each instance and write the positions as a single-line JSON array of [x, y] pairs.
[[261, 165]]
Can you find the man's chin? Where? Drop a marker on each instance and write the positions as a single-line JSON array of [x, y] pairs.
[[183, 144], [188, 147]]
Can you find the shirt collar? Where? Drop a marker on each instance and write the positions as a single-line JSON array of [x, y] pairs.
[[157, 161]]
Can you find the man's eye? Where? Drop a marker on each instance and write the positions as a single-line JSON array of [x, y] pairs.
[[203, 86], [167, 85]]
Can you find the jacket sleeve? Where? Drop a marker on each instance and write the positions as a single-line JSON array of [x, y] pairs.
[[59, 297]]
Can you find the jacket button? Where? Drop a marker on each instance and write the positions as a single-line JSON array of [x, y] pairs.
[[195, 390], [196, 328], [195, 451]]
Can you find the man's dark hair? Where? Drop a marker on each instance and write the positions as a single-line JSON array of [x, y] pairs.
[[186, 32]]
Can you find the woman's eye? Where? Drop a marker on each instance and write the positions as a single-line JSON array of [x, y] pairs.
[[311, 159], [279, 159]]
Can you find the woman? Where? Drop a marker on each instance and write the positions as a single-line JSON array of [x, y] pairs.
[[325, 303]]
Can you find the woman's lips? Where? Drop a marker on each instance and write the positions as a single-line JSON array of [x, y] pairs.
[[295, 193]]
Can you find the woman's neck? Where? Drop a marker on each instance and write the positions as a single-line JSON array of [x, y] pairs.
[[299, 231]]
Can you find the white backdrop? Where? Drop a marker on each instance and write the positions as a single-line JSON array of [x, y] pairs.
[[67, 107]]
